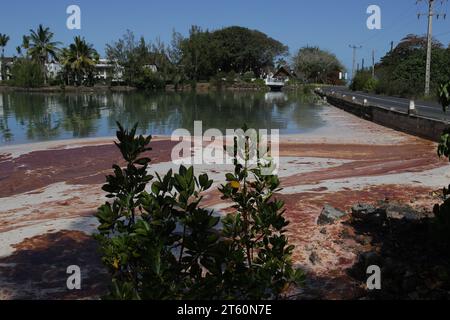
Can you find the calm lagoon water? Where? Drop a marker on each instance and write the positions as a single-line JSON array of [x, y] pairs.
[[30, 117]]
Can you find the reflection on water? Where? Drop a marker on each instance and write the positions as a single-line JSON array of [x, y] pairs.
[[29, 117]]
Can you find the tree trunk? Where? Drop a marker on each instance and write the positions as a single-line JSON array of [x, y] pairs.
[[2, 67], [44, 70]]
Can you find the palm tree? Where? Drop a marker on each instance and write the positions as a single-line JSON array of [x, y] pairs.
[[26, 43], [41, 47], [4, 39], [79, 59]]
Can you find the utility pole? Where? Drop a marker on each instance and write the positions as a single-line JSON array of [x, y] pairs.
[[430, 15], [373, 63], [429, 44], [354, 47]]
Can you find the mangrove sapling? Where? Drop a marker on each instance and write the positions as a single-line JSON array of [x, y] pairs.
[[148, 258], [256, 230], [442, 211], [159, 243]]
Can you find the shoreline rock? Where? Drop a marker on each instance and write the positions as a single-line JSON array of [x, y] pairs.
[[329, 215]]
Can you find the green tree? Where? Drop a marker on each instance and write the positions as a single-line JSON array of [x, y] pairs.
[[402, 71], [242, 50], [200, 56], [27, 74], [229, 49], [42, 48], [316, 65], [4, 39], [79, 60], [136, 58], [175, 56], [130, 55], [363, 81]]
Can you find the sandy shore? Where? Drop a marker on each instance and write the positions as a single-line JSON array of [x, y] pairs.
[[49, 193]]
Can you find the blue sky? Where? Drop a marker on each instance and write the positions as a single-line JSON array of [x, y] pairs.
[[330, 24]]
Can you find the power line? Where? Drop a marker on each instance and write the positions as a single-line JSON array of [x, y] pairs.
[[397, 24], [391, 26]]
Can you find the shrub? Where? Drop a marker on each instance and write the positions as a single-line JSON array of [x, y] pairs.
[[27, 74], [363, 81], [259, 263], [55, 82], [156, 244], [248, 76], [231, 78], [444, 96], [149, 80], [442, 211], [307, 89], [260, 82], [370, 85], [161, 244]]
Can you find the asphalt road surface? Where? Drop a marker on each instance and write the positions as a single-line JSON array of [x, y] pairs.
[[424, 108]]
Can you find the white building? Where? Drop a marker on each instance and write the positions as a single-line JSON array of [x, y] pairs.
[[104, 70], [53, 69], [8, 63]]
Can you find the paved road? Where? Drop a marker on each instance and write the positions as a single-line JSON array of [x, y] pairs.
[[423, 108]]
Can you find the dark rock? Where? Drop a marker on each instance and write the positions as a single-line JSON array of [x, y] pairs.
[[369, 213], [402, 212], [323, 231], [314, 258], [370, 258], [361, 210], [329, 215]]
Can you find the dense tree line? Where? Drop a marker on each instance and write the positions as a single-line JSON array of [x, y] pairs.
[[199, 56], [219, 56], [231, 49], [402, 71], [38, 49]]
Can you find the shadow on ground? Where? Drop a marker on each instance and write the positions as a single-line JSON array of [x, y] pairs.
[[414, 262], [37, 269]]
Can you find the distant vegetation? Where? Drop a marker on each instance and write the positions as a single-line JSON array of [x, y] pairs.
[[4, 39], [401, 72], [315, 65], [27, 74], [199, 57], [224, 57], [38, 50]]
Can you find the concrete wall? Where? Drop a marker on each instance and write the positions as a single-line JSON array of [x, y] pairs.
[[426, 128]]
